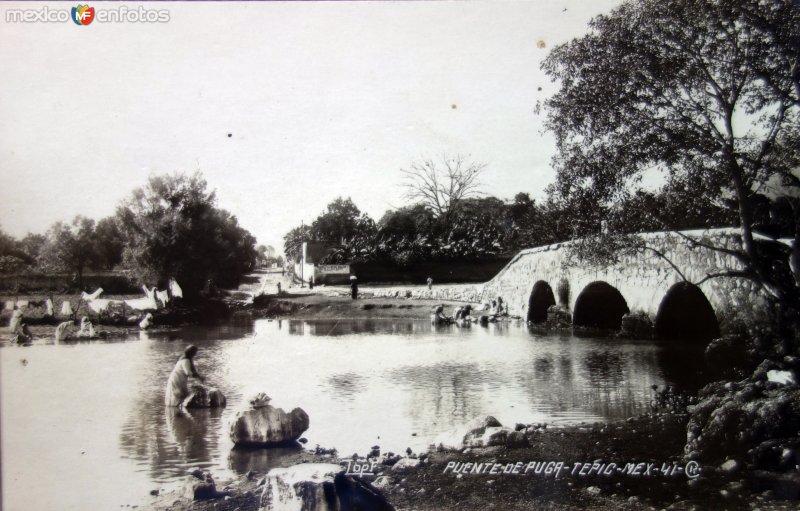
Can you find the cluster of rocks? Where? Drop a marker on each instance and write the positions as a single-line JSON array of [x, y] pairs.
[[200, 485], [558, 316], [755, 420], [637, 325], [488, 432]]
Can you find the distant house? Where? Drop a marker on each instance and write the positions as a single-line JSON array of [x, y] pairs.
[[308, 264]]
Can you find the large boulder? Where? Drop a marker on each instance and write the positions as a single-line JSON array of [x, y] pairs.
[[201, 396], [485, 432], [321, 487], [268, 426]]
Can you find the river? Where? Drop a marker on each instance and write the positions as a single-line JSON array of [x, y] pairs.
[[84, 425]]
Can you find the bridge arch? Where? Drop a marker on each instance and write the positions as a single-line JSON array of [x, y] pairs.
[[541, 299], [600, 305], [686, 314]]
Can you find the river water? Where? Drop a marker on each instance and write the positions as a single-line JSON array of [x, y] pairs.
[[84, 425]]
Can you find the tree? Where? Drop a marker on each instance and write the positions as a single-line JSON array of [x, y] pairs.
[[293, 241], [700, 90], [338, 223], [13, 257], [172, 228], [70, 247], [109, 243], [441, 185], [31, 245]]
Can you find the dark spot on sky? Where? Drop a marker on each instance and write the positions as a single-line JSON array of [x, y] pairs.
[[453, 106], [230, 135], [539, 89], [540, 43]]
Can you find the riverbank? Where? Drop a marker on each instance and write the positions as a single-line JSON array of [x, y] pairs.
[[431, 481]]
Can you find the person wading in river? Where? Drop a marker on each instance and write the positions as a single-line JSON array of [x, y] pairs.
[[178, 384]]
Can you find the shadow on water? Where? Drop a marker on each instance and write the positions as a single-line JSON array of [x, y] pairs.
[[242, 459], [683, 364]]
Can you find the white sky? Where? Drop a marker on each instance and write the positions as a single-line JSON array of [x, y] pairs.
[[322, 100]]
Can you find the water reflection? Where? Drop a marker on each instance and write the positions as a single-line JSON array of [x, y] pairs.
[[243, 460], [396, 383], [342, 328], [448, 392]]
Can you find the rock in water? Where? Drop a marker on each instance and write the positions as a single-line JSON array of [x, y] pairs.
[[204, 397], [319, 486], [268, 426], [485, 432]]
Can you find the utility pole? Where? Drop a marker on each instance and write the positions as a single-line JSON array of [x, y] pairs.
[[302, 252]]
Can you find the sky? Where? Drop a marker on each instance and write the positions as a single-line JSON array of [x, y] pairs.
[[320, 100]]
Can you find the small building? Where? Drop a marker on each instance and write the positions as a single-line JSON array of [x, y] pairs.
[[308, 265]]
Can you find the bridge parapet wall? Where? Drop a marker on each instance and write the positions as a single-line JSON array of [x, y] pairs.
[[643, 278]]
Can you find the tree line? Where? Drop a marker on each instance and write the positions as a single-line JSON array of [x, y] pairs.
[[169, 228], [448, 218]]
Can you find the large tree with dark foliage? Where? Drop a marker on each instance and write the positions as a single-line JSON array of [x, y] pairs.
[[701, 91], [172, 228]]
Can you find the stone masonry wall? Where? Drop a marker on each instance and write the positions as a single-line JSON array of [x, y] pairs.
[[643, 279]]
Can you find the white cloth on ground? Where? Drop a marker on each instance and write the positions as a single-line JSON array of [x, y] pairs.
[[175, 289], [144, 324], [99, 305], [89, 297], [163, 297]]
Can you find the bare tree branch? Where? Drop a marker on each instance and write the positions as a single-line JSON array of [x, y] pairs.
[[440, 186]]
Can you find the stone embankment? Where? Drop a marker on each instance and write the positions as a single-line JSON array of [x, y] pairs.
[[470, 293]]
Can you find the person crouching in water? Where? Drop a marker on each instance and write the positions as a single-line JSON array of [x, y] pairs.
[[178, 384], [439, 317]]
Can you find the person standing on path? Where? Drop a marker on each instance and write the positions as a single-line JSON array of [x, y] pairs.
[[353, 287], [430, 282]]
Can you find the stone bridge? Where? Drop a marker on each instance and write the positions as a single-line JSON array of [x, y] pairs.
[[598, 296], [645, 282]]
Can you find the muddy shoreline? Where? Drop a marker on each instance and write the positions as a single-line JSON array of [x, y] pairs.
[[654, 440]]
